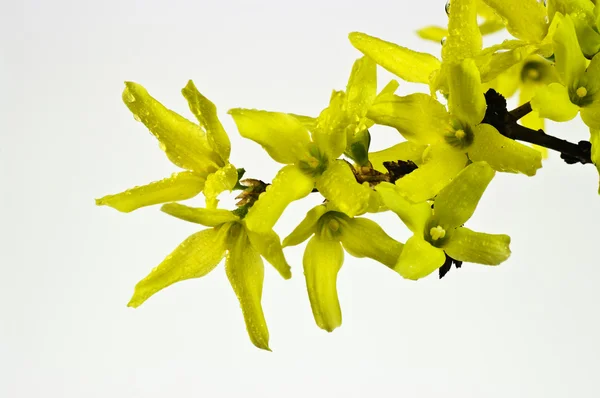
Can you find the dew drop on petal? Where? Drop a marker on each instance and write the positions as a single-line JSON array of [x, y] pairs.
[[127, 96], [162, 146], [447, 7], [136, 117]]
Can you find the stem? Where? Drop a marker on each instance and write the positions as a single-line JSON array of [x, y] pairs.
[[521, 111]]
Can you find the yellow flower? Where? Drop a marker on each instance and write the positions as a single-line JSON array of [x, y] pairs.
[[203, 251], [202, 150], [331, 232]]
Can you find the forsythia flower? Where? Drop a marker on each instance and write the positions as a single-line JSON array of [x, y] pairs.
[[579, 89], [584, 14], [333, 232], [439, 232], [203, 151], [203, 251]]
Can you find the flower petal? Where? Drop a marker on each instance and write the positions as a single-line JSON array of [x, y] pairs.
[[179, 186], [569, 60], [476, 247], [195, 257], [502, 153], [306, 228], [466, 100], [525, 19], [329, 131], [403, 151], [464, 38], [591, 115], [206, 217], [281, 135], [340, 187], [389, 88], [362, 86], [246, 273], [414, 216], [184, 142], [552, 102], [289, 184], [456, 203], [322, 261], [441, 164], [269, 246], [418, 117], [409, 65], [362, 237], [221, 180], [206, 113], [419, 259]]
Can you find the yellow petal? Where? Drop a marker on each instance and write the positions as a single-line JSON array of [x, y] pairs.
[[464, 38], [206, 113], [403, 151], [245, 271], [413, 215], [407, 64], [476, 247], [502, 153], [281, 135], [340, 187], [552, 102], [569, 60], [456, 203], [329, 131], [221, 180], [269, 246], [362, 237], [591, 115], [289, 184], [206, 217], [195, 257], [466, 100], [179, 186], [306, 228], [418, 117], [419, 259], [184, 142], [389, 88], [440, 166], [362, 86], [525, 19], [322, 261]]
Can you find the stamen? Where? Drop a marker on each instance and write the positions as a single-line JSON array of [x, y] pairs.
[[334, 225], [533, 74], [460, 134], [581, 92], [437, 232]]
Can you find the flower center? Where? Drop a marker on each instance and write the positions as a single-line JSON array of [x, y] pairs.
[[312, 162], [533, 74], [334, 225], [460, 134], [581, 92], [437, 232]]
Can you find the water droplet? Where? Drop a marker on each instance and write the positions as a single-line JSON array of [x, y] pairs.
[[162, 146], [443, 41], [127, 96], [447, 8], [136, 117]]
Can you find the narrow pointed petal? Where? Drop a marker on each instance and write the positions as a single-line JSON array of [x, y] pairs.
[[441, 164], [476, 247], [419, 259], [362, 237], [456, 203], [362, 86], [246, 273], [389, 88], [306, 228], [502, 153], [184, 142], [195, 257], [340, 187], [403, 151], [525, 19], [569, 60], [591, 115], [281, 135], [206, 113], [322, 261], [329, 131], [179, 186], [289, 184], [206, 217], [269, 246], [464, 38], [409, 65], [307, 121], [552, 102], [414, 216], [418, 117], [221, 180], [466, 100]]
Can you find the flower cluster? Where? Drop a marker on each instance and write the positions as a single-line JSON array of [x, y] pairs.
[[456, 135]]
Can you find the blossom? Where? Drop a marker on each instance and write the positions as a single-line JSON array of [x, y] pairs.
[[200, 253], [201, 150], [332, 232], [439, 231]]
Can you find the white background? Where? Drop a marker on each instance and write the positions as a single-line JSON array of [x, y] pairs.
[[527, 328]]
